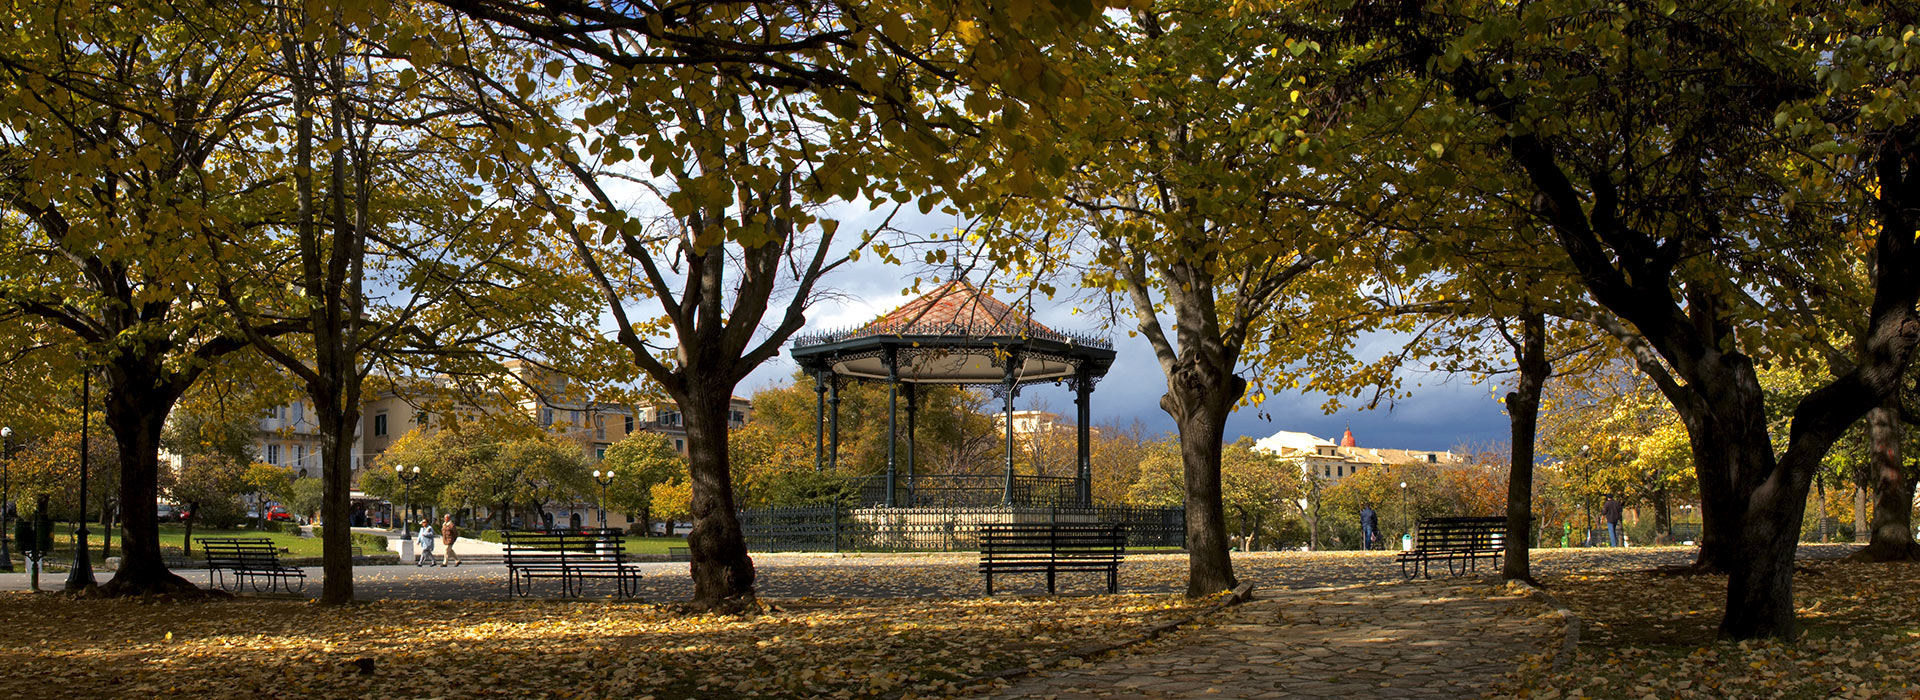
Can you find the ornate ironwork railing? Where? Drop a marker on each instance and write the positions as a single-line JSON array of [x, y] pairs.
[[944, 529], [966, 491], [961, 330]]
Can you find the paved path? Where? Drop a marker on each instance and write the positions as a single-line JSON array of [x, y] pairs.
[[1392, 640], [788, 576]]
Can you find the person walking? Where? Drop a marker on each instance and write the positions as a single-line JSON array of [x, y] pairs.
[[448, 533], [1369, 527], [1611, 511], [426, 537]]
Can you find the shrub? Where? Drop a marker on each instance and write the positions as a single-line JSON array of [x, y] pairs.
[[368, 543]]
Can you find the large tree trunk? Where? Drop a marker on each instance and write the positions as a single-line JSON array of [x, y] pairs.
[[136, 410], [1662, 517], [1861, 526], [1523, 414], [337, 420], [1760, 586], [722, 571], [1199, 399], [1892, 529]]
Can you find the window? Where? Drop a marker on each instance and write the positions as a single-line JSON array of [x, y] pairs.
[[737, 417], [680, 445], [599, 428], [273, 454], [669, 417], [420, 419], [600, 453], [573, 417], [299, 412], [629, 424], [380, 424], [299, 454], [546, 417]]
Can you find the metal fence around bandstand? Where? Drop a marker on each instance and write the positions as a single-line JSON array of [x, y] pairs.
[[940, 529], [967, 491]]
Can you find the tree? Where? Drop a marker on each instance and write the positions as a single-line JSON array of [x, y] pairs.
[[385, 193], [1200, 190], [1258, 490], [746, 121], [1668, 179], [641, 461], [111, 167]]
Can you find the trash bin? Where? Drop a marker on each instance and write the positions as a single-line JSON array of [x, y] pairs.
[[1406, 543], [406, 550]]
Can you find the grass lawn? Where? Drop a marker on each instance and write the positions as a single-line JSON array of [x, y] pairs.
[[1650, 635], [589, 649], [653, 545], [170, 538]]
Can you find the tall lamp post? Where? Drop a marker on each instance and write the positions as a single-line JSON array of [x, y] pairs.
[[80, 577], [1586, 495], [6, 498], [407, 477], [1403, 509], [603, 482]]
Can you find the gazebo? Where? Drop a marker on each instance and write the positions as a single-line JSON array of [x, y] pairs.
[[953, 335]]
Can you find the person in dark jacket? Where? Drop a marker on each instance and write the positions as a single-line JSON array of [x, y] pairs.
[[1611, 511], [1369, 527]]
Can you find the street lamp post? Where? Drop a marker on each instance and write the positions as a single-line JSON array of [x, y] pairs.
[[80, 577], [603, 482], [1405, 520], [6, 498], [1586, 493], [407, 477]]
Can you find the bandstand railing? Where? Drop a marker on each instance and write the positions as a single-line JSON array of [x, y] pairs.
[[939, 529], [966, 491]]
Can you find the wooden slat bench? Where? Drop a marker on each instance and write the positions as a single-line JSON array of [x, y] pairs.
[[1460, 542], [573, 556], [249, 559], [1053, 548], [678, 554]]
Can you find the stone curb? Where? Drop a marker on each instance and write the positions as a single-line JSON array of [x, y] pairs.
[[1240, 594], [1563, 655]]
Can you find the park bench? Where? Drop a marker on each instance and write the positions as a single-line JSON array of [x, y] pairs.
[[573, 556], [678, 554], [1459, 542], [249, 559], [1053, 548]]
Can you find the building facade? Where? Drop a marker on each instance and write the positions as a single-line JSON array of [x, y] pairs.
[[1330, 462]]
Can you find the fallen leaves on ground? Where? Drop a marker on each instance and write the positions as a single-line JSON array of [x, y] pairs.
[[801, 648], [1651, 635]]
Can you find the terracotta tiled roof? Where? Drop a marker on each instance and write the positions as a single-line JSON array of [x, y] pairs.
[[955, 308]]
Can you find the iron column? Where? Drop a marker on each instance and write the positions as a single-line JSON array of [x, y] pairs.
[[1006, 497], [81, 575], [1083, 388], [893, 392], [6, 497], [819, 421]]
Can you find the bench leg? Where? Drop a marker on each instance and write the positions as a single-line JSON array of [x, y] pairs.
[[989, 583], [1113, 580], [1049, 579]]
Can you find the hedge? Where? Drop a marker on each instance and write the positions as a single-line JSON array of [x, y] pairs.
[[368, 543]]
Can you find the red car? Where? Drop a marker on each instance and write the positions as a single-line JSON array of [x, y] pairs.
[[278, 513]]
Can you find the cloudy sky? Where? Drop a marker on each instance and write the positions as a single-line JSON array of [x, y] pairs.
[[1443, 412]]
